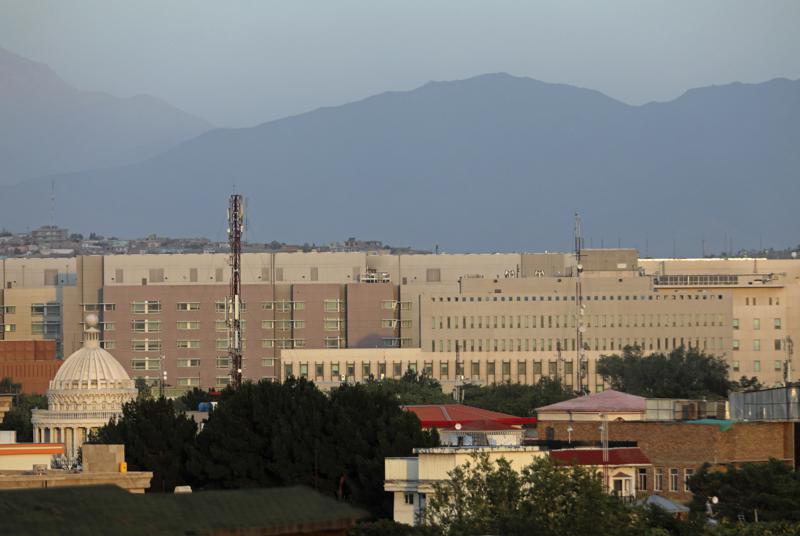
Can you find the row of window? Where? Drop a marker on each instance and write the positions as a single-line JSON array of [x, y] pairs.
[[658, 479], [777, 344], [586, 298], [777, 365], [597, 344], [154, 306], [221, 362], [776, 323], [444, 369], [754, 301], [568, 321]]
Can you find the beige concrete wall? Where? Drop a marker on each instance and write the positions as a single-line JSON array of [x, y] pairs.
[[24, 462]]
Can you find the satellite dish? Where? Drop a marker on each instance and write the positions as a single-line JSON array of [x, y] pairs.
[[458, 426]]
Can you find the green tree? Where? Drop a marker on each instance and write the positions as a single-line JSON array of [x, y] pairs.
[[7, 386], [680, 374], [156, 438], [517, 399], [484, 497], [145, 391], [190, 400], [411, 389], [271, 434], [771, 488], [18, 418]]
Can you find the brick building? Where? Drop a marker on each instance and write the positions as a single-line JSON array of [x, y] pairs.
[[677, 449], [30, 363]]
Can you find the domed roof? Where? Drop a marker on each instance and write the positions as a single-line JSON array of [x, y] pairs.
[[91, 367]]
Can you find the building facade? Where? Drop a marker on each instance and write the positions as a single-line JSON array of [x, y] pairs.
[[510, 317]]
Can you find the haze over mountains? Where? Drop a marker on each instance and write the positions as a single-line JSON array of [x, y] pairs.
[[491, 163], [47, 126]]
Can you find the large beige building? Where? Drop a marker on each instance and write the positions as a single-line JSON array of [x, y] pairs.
[[513, 317]]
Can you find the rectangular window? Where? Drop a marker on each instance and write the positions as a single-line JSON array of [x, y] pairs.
[[777, 344], [777, 323], [223, 362], [188, 325], [658, 481], [146, 307], [778, 364], [189, 382], [146, 326], [735, 366], [9, 328], [334, 306], [9, 309], [735, 344], [267, 324], [188, 306], [756, 345], [268, 362], [756, 323], [735, 323], [687, 475], [756, 366], [188, 363], [641, 479], [673, 480], [267, 306], [222, 381], [146, 345], [188, 344]]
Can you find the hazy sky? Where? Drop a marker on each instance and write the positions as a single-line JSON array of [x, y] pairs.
[[239, 63]]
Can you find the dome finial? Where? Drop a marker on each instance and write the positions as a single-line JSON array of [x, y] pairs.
[[91, 335]]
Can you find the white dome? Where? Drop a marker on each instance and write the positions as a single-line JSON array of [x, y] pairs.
[[91, 367]]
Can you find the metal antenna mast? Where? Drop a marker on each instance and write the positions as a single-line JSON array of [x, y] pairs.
[[233, 311], [583, 365]]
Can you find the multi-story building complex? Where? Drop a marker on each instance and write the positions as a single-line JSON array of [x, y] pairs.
[[511, 317]]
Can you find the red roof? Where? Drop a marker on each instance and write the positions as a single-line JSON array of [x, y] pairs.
[[448, 415], [594, 457], [608, 400]]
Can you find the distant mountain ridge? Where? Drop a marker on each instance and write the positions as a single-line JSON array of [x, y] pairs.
[[491, 163], [47, 126]]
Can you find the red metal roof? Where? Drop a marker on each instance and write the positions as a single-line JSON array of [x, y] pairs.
[[448, 415], [594, 457]]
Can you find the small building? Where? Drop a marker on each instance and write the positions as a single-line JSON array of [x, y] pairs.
[[411, 479], [619, 467], [25, 456], [777, 404], [609, 404], [448, 415], [29, 465]]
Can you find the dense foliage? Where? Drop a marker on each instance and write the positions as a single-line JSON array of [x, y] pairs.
[[680, 374], [411, 389], [156, 438], [772, 489], [517, 399], [271, 434], [191, 400]]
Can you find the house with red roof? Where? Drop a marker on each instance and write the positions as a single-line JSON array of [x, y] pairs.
[[611, 405], [461, 425], [621, 468]]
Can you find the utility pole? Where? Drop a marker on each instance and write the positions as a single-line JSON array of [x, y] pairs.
[[233, 311], [583, 365]]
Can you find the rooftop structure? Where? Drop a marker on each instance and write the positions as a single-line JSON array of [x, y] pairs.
[[608, 404], [103, 509], [89, 389], [450, 415]]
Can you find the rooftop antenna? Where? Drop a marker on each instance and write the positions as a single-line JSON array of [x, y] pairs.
[[233, 311], [52, 203], [579, 328]]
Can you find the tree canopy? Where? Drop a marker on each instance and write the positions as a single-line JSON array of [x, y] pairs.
[[156, 438], [517, 399], [273, 434], [771, 488], [413, 388], [18, 418], [680, 374]]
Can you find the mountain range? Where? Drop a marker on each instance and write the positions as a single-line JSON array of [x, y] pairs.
[[47, 126], [490, 163]]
